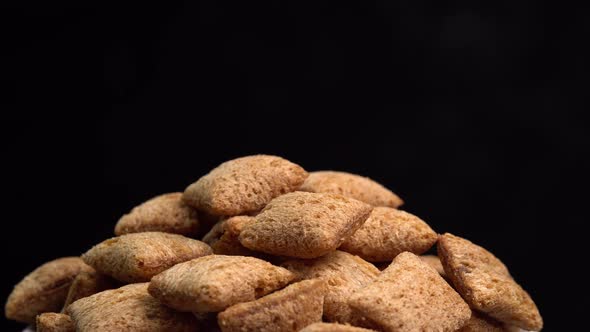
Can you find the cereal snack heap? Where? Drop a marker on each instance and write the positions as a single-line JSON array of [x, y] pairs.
[[282, 250]]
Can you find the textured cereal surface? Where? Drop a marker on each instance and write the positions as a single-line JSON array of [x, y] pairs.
[[223, 237], [304, 225], [138, 257], [244, 185], [485, 283], [88, 283], [43, 290], [481, 323], [165, 213], [213, 283], [333, 327], [411, 296], [129, 308], [289, 309], [435, 263], [389, 232], [344, 273], [351, 185], [54, 322]]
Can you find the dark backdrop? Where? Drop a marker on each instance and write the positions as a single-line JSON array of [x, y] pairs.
[[471, 111]]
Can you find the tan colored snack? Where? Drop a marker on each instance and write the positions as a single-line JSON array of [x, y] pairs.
[[213, 283], [88, 283], [389, 232], [289, 309], [43, 290], [332, 327], [344, 273], [129, 308], [223, 237], [304, 225], [411, 296], [244, 185], [53, 322], [485, 283], [165, 213], [481, 323], [351, 185], [435, 263], [138, 257]]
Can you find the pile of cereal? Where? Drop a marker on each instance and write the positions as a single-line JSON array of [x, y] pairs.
[[284, 250]]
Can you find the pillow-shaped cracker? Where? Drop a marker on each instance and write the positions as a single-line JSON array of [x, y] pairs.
[[129, 308], [165, 213], [434, 263], [43, 290], [344, 273], [332, 327], [389, 232], [88, 283], [485, 283], [54, 322], [244, 185], [351, 185], [304, 225], [223, 237], [137, 257], [409, 295], [287, 310], [213, 283]]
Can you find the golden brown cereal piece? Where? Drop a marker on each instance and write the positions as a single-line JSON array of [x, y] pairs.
[[53, 322], [304, 225], [332, 327], [244, 185], [389, 232], [88, 283], [43, 290], [129, 308], [289, 309], [165, 213], [138, 257], [351, 185], [411, 296], [213, 283], [435, 263], [480, 323], [223, 237], [344, 273], [485, 283]]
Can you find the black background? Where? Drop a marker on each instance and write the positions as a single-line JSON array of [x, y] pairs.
[[473, 112]]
